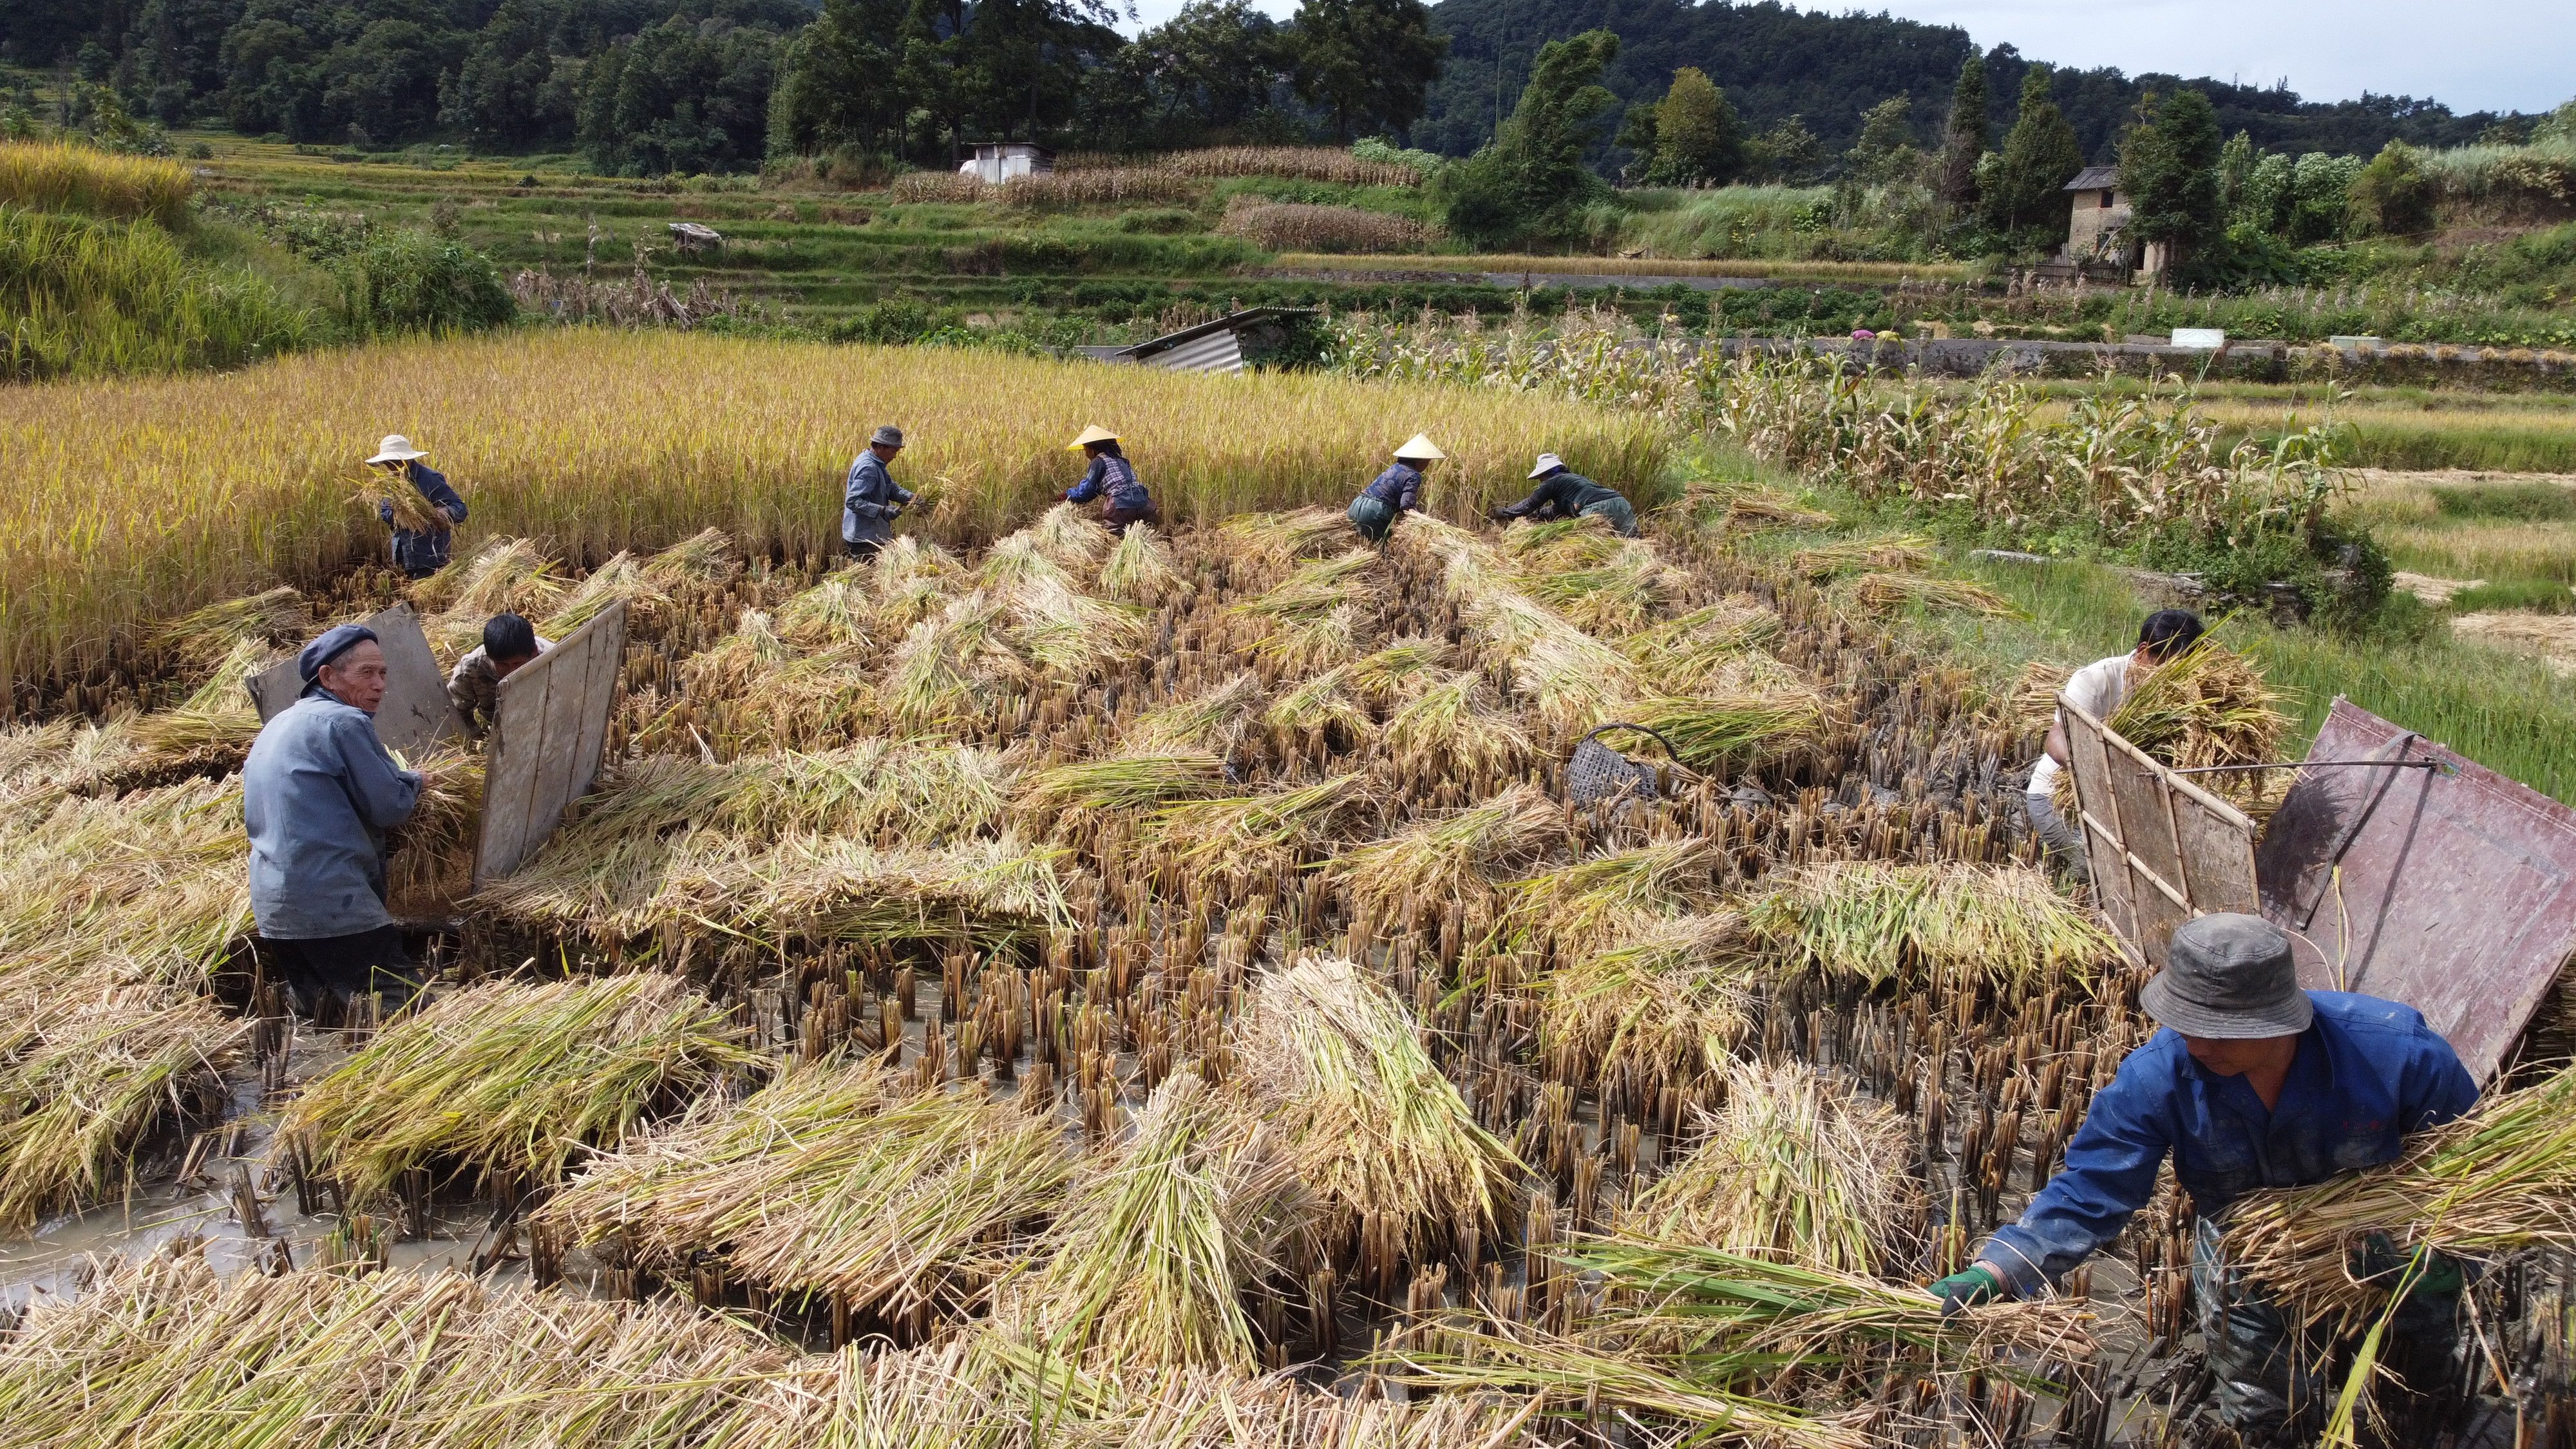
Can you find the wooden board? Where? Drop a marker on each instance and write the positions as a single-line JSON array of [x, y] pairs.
[[550, 727], [2451, 888], [2162, 850], [415, 714]]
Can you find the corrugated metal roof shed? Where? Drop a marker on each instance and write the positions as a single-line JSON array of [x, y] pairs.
[[2095, 178], [1209, 347]]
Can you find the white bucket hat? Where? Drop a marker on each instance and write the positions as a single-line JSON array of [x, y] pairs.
[[1547, 463], [396, 449]]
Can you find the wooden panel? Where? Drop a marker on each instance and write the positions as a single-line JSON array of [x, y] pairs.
[[548, 732], [2161, 849], [415, 713]]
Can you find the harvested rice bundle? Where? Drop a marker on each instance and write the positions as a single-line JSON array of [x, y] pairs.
[[1452, 726], [507, 1081], [1285, 823], [908, 581], [1215, 721], [1301, 646], [830, 888], [1401, 670], [201, 640], [433, 852], [1561, 544], [213, 728], [954, 666], [2032, 703], [1317, 589], [1955, 927], [1322, 705], [1069, 538], [1716, 734], [834, 1179], [704, 557], [833, 613], [1149, 1263], [2211, 706], [1450, 856], [1122, 782], [622, 579], [1889, 593], [737, 663], [86, 1076], [1593, 902], [1614, 595], [1889, 554], [1372, 1128], [1670, 995], [1140, 569], [1572, 680], [1718, 632], [922, 790], [150, 886], [506, 576], [1796, 1170], [1063, 630], [1272, 541], [1761, 508], [2500, 1180]]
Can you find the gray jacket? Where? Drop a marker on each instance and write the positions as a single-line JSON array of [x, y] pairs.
[[870, 501], [319, 792]]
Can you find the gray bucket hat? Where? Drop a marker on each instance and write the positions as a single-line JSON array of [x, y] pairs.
[[2229, 977], [888, 435]]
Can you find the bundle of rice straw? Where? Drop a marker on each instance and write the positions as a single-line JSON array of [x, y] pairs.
[[1592, 903], [1122, 782], [1271, 541], [1455, 724], [1891, 554], [1401, 670], [150, 886], [704, 557], [1951, 926], [2211, 706], [1719, 733], [1286, 823], [1450, 856], [1563, 543], [86, 1076], [1325, 704], [202, 639], [2500, 1180], [908, 580], [1884, 593], [1373, 1129], [834, 1179], [507, 1081], [1707, 649], [1148, 1264], [1670, 995], [1067, 537], [1613, 595], [505, 576], [957, 664], [1140, 569], [1573, 681], [1215, 721], [433, 852], [622, 579], [1795, 1170], [1317, 589]]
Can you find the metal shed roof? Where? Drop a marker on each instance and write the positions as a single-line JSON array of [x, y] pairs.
[[2095, 178]]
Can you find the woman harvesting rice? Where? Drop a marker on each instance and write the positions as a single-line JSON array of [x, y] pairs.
[[1112, 480], [1395, 492]]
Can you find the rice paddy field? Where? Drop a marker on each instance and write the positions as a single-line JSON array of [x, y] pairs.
[[1191, 988]]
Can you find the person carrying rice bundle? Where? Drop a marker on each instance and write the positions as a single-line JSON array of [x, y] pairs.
[[319, 791], [2250, 1084], [1395, 492], [423, 536], [1112, 480], [1564, 493], [2097, 689], [870, 498]]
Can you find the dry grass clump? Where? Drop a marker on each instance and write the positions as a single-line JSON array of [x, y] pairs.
[[1891, 554], [1148, 1266], [507, 1081], [1886, 593], [834, 1179], [86, 1076], [2499, 1180], [1792, 1170], [1672, 996], [1946, 925], [1295, 226], [1450, 856]]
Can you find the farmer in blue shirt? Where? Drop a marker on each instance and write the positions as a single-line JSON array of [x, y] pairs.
[[319, 791], [871, 498], [1112, 480], [1564, 493], [1396, 491], [2251, 1084], [419, 552]]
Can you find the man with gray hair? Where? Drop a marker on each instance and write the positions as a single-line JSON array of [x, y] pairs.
[[870, 498], [2251, 1084]]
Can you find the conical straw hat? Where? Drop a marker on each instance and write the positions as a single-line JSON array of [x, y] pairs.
[[1421, 447], [1093, 434]]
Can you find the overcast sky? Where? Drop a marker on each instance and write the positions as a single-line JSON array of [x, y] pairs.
[[2473, 55]]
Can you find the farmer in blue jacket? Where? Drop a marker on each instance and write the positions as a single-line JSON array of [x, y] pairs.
[[1112, 480], [319, 791], [1395, 492], [2252, 1083], [419, 552], [870, 498]]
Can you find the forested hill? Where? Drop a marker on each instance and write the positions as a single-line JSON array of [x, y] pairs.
[[1775, 61]]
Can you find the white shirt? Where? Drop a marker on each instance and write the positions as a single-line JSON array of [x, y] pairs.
[[2097, 688]]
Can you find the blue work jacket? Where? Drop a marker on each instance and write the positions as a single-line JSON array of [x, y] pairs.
[[2368, 1073], [1115, 477], [319, 791], [414, 551], [1400, 485], [869, 500]]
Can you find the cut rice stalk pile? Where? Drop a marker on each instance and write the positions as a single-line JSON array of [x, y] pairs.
[[1069, 538], [1140, 569], [1375, 1132], [1148, 1265], [2211, 706], [1455, 724], [1885, 593], [1613, 595], [1949, 926], [834, 1179], [1125, 782], [2499, 1180], [1795, 1170], [1215, 721], [1317, 589], [1270, 542], [1707, 650], [1671, 997], [1591, 903], [505, 576], [1326, 705], [1284, 823], [1716, 734], [1450, 856], [151, 886], [508, 1081], [1894, 554], [201, 640], [85, 1078], [1572, 680]]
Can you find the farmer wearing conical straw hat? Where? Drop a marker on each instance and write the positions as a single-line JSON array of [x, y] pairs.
[[1112, 480], [421, 550], [2252, 1083], [1564, 493], [1396, 491]]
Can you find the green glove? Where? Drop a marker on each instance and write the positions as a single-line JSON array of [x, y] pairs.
[[1968, 1287], [2384, 1264]]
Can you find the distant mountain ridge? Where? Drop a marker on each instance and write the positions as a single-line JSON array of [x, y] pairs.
[[1775, 61]]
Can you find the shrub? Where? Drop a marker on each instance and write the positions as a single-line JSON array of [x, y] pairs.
[[1295, 228], [55, 176], [1387, 153], [1161, 221], [410, 281], [82, 298], [2392, 196]]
